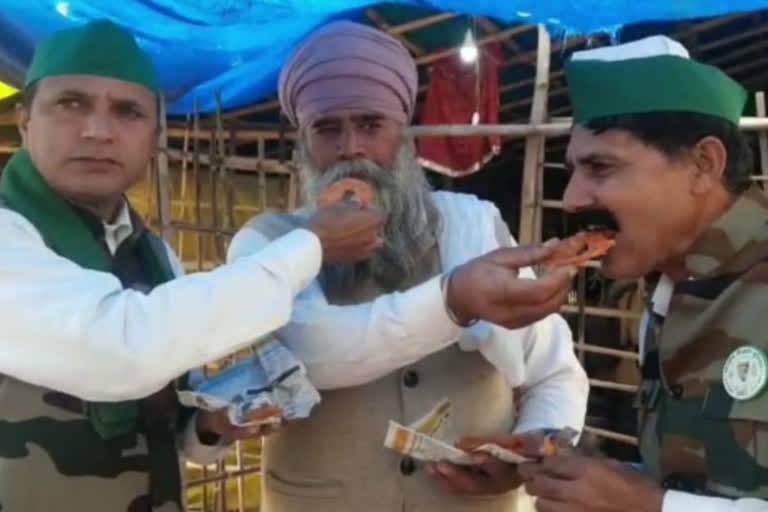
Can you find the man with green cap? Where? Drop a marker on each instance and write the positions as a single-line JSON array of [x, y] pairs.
[[656, 146], [95, 328]]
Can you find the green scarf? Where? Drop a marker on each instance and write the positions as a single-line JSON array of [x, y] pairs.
[[66, 232]]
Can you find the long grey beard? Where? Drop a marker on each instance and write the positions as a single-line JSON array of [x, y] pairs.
[[403, 194]]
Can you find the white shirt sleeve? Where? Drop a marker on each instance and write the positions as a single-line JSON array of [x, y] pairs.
[[675, 501], [344, 346], [78, 331], [540, 359], [189, 441]]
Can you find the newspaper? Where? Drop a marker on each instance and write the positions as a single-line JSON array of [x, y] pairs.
[[421, 441], [270, 378]]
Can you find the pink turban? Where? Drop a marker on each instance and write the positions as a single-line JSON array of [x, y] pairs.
[[346, 65]]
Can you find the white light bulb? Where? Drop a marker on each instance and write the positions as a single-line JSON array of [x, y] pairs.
[[468, 54], [63, 8], [468, 51]]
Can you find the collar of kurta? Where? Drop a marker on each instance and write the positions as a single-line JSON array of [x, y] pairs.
[[724, 246], [77, 236]]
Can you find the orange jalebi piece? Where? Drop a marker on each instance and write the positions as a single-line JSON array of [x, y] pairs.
[[581, 247], [346, 188]]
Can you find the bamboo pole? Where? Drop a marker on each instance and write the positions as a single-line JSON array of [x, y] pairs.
[[616, 386], [220, 177], [549, 129], [762, 137], [605, 351], [213, 172], [240, 478], [556, 126], [262, 179], [601, 312], [198, 188], [241, 163], [183, 184], [376, 17], [164, 180], [499, 36], [222, 476], [614, 436], [534, 146]]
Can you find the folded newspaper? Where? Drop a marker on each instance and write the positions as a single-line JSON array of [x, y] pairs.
[[422, 440], [270, 378]]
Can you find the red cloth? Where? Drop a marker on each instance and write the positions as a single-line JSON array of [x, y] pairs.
[[452, 98]]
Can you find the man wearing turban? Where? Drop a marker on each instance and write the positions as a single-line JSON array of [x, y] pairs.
[[445, 308], [94, 323]]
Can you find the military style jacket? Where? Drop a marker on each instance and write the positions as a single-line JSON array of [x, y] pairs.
[[695, 436], [51, 458]]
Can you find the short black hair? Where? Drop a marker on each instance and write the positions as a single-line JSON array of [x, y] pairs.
[[672, 133]]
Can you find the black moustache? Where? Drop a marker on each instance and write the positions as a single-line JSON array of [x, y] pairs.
[[592, 220]]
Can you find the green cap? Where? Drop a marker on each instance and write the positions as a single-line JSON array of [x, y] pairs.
[[99, 48], [654, 74]]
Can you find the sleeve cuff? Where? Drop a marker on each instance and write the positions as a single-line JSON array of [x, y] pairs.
[[676, 501], [296, 257], [427, 306], [194, 450]]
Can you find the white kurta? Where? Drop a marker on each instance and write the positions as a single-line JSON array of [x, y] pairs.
[[346, 346], [78, 331]]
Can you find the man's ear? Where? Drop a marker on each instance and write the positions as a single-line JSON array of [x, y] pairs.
[[710, 158], [22, 122]]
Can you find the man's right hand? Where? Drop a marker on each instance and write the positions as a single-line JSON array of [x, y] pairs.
[[488, 288], [347, 232]]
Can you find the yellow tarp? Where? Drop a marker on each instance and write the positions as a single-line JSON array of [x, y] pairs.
[[6, 90]]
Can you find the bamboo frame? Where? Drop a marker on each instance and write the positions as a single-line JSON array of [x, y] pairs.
[[530, 213]]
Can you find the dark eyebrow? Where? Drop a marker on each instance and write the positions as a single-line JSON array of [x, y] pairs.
[[124, 103], [73, 93], [327, 121], [594, 158]]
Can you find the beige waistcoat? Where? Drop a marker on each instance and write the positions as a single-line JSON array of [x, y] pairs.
[[335, 461]]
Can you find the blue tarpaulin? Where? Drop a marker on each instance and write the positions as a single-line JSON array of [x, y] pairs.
[[238, 46]]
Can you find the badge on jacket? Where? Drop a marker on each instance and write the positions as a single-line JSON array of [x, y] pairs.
[[745, 372]]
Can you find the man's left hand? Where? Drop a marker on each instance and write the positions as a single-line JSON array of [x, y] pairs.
[[583, 484], [218, 423], [488, 476]]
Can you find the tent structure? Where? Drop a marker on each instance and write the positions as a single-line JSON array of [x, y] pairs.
[[238, 46], [226, 152]]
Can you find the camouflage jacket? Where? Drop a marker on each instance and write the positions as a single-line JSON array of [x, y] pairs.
[[51, 458], [694, 436]]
